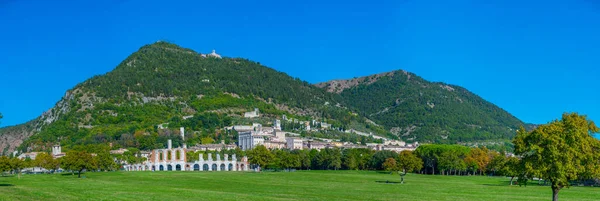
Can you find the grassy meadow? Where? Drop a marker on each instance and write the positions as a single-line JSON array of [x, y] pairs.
[[301, 185]]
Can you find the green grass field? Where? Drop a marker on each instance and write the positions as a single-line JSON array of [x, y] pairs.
[[301, 185]]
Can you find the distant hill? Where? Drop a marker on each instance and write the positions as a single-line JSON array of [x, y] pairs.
[[417, 109]]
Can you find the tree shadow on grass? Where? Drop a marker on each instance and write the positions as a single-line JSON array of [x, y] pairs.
[[388, 182], [499, 184], [1, 185], [383, 172], [507, 183], [70, 174]]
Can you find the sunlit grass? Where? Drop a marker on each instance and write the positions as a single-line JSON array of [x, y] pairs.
[[301, 185]]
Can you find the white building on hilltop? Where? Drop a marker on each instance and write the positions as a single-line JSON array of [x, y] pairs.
[[212, 54]]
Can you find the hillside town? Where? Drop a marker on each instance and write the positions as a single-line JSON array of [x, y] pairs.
[[249, 137], [305, 100]]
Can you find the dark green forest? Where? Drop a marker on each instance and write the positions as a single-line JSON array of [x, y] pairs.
[[441, 113], [162, 82]]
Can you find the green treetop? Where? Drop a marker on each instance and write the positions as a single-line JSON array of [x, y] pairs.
[[560, 151]]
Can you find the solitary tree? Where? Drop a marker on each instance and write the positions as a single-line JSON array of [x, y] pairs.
[[560, 151], [78, 161], [408, 162]]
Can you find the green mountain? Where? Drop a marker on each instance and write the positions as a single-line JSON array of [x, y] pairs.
[[163, 83], [167, 85], [417, 109]]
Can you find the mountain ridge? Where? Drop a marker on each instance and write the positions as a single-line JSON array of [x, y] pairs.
[[388, 97], [161, 82]]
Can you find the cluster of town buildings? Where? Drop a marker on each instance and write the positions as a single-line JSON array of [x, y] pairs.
[[274, 138], [249, 136], [56, 153]]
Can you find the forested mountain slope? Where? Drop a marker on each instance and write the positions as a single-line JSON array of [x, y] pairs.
[[164, 83], [161, 83], [425, 111]]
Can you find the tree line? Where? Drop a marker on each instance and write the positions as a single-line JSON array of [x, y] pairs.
[[326, 159], [77, 160]]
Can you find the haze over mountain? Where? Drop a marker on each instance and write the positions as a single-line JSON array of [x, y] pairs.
[[162, 83]]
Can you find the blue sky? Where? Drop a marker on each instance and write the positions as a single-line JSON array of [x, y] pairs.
[[536, 59]]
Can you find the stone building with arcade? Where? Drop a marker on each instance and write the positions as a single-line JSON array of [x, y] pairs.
[[174, 159]]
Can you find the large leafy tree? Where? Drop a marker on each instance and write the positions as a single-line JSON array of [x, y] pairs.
[[451, 161], [288, 160], [304, 158], [327, 159], [260, 156], [45, 161], [379, 158], [560, 151], [497, 163], [390, 165], [78, 161], [478, 158], [4, 164], [17, 165], [105, 161], [433, 154]]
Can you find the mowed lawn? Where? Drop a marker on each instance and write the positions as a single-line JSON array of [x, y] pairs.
[[300, 185]]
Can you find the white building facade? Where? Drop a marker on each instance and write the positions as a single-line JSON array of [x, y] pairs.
[[294, 143], [247, 140], [174, 159]]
